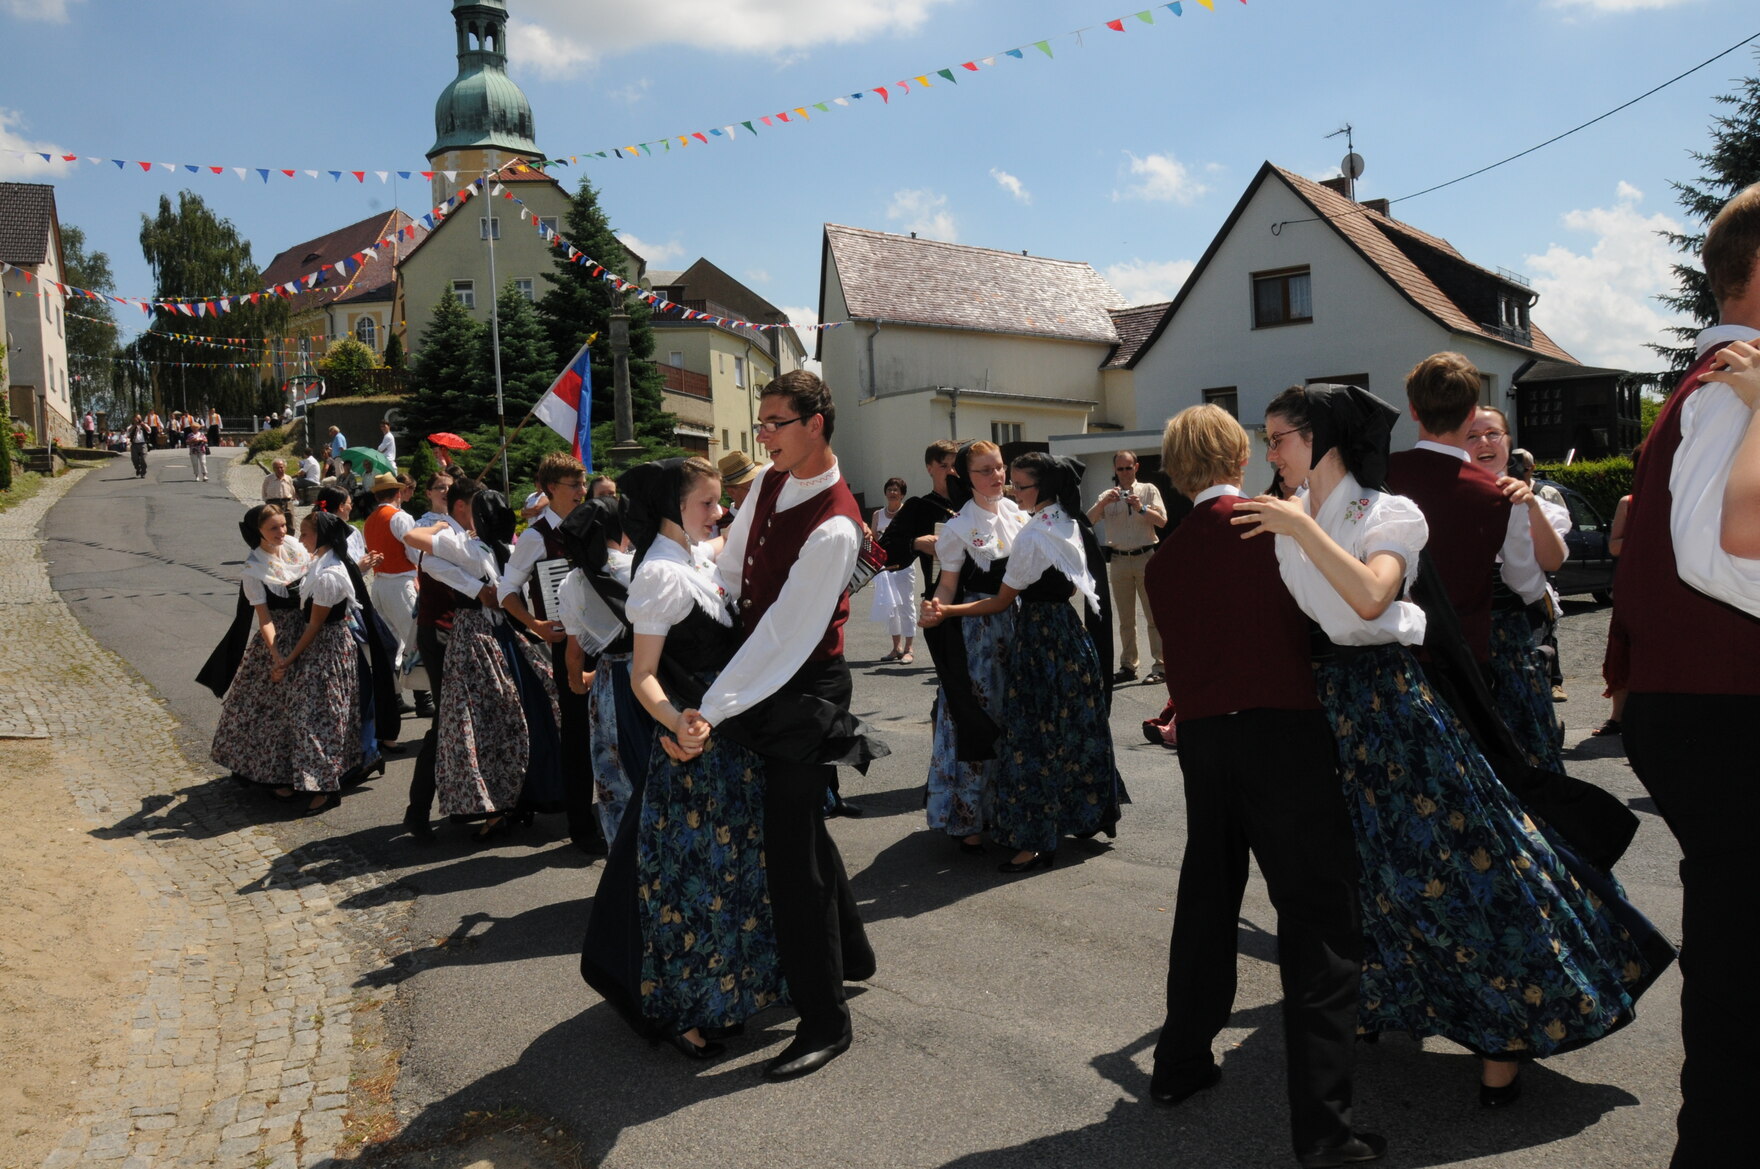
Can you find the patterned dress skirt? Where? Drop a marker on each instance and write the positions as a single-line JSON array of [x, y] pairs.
[[708, 941], [961, 795], [1479, 926], [1521, 684], [254, 735], [621, 737], [1055, 775], [480, 763]]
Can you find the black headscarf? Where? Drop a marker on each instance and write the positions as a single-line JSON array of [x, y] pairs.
[[330, 500], [331, 533], [493, 520], [959, 480], [650, 493], [251, 526], [1358, 424], [586, 530]]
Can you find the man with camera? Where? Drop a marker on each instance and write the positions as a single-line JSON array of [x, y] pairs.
[[1133, 513]]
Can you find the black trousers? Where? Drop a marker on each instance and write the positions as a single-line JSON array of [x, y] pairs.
[[421, 784], [1265, 781], [819, 933], [1694, 753], [576, 732]]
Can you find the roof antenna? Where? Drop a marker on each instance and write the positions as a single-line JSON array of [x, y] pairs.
[[1351, 167]]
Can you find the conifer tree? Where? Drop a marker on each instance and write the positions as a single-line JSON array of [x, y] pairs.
[[1732, 163], [528, 364], [444, 391]]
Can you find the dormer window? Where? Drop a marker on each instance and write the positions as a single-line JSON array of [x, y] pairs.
[[1282, 298]]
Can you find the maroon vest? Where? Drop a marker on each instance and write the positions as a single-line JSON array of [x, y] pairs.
[[435, 602], [1243, 642], [1682, 641], [553, 550], [772, 543], [1468, 516]]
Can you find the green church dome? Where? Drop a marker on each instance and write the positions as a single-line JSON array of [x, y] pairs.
[[482, 107]]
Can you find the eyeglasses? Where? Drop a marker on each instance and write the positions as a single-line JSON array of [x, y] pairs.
[[1274, 439], [1025, 485], [768, 428], [1487, 435]]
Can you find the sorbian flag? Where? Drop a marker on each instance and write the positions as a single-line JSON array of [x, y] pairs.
[[567, 406]]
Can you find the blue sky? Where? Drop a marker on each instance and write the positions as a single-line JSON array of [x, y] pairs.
[[1126, 151]]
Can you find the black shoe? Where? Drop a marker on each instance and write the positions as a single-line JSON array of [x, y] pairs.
[[397, 750], [731, 1031], [424, 704], [803, 1058], [972, 847], [709, 1049], [844, 808], [404, 706], [1039, 860], [1359, 1147], [332, 800], [495, 826], [1503, 1097], [1126, 674], [1168, 1092], [1152, 732], [1155, 675], [417, 823]]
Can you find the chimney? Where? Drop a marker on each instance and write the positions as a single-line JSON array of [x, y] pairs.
[[1380, 205], [913, 235], [1340, 185]]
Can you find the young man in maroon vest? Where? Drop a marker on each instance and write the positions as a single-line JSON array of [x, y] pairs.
[[787, 563], [1258, 761], [562, 478], [1472, 520], [1688, 592]]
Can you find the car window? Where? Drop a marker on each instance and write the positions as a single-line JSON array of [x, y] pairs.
[[1583, 517]]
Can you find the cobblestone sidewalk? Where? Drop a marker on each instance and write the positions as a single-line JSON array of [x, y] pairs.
[[240, 1045]]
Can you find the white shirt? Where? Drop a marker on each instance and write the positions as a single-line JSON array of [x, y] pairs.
[[527, 551], [461, 560], [357, 544], [619, 565], [669, 583], [308, 468], [1517, 564], [1050, 539], [1713, 424], [786, 634], [985, 536], [327, 583], [388, 446], [268, 572], [1362, 522]]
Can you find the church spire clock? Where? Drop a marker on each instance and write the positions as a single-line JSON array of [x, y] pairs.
[[482, 120]]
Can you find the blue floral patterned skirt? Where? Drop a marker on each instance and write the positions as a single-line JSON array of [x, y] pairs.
[[708, 941], [961, 794], [1479, 926], [1521, 684], [612, 707], [1055, 775]]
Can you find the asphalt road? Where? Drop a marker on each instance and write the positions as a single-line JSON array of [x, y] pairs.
[[1011, 1020]]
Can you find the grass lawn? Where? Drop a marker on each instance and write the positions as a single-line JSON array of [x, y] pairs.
[[24, 485]]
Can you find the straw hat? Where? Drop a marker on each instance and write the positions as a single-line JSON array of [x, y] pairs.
[[736, 467], [384, 482]]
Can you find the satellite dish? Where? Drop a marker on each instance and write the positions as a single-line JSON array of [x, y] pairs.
[[1352, 166]]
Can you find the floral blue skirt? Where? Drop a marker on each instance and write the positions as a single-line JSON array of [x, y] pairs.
[[708, 940], [612, 706], [961, 794], [1521, 685], [1479, 926], [1055, 774]]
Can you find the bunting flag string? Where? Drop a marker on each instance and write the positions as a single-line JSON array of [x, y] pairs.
[[789, 116]]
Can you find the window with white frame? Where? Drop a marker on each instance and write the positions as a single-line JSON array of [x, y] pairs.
[[466, 291], [1228, 397], [724, 443], [366, 331], [739, 372], [526, 287], [489, 227], [676, 358], [1003, 433], [1282, 298]]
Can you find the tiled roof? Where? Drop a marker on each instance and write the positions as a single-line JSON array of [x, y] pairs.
[[1380, 239], [373, 280], [1134, 325], [927, 282], [27, 213]]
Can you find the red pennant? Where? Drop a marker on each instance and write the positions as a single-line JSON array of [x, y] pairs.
[[1116, 25], [219, 170], [69, 157], [884, 96], [144, 165], [427, 174], [972, 65], [360, 176], [288, 173], [700, 137]]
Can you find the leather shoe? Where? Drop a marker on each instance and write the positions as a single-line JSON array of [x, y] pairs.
[[397, 750], [708, 1049], [1355, 1149], [418, 826], [1167, 1092], [1501, 1097], [804, 1057], [844, 808]]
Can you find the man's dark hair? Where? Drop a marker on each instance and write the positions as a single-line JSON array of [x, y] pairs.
[[807, 395], [1444, 389], [941, 448], [463, 489]]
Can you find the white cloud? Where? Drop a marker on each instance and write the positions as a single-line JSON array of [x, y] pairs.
[[1164, 179], [924, 212], [758, 275], [1011, 184], [1147, 281], [1601, 304], [556, 37], [800, 315], [14, 167], [1617, 5], [632, 93], [653, 253], [51, 11]]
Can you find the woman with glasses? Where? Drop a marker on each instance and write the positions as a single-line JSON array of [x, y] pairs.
[[1521, 675], [895, 603], [1056, 775], [1479, 926]]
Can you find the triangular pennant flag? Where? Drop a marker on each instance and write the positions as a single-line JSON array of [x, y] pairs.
[[360, 176], [288, 173], [1210, 4], [843, 101], [1176, 9], [924, 81], [1015, 53], [750, 129], [312, 174], [145, 166], [170, 166], [821, 107], [1146, 16], [188, 166], [947, 73], [699, 137], [384, 175], [264, 171], [119, 163], [335, 176], [451, 175], [884, 96], [1115, 25], [242, 173], [989, 62], [801, 110], [1043, 47], [719, 134], [426, 174]]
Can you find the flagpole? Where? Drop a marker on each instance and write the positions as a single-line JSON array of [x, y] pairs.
[[495, 335]]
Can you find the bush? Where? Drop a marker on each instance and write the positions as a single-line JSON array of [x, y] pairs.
[[5, 458], [264, 441], [1601, 481], [347, 367]]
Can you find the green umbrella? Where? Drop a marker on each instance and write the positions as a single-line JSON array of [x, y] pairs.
[[368, 459]]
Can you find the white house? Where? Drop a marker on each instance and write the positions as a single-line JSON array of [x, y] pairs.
[[1302, 284], [36, 323], [952, 341]]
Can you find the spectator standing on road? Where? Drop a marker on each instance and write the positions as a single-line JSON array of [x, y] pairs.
[[155, 428], [195, 440], [1688, 588], [213, 428], [895, 598], [139, 436], [89, 427], [388, 444], [277, 486], [1479, 927], [1133, 513]]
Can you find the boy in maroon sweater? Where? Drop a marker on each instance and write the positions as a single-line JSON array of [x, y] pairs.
[[1258, 761]]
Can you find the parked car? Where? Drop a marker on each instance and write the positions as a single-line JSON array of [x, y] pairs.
[[1590, 567]]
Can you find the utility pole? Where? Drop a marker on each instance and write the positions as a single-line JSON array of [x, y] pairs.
[[627, 449], [489, 223]]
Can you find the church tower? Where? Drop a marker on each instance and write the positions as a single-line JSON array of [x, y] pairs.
[[482, 119]]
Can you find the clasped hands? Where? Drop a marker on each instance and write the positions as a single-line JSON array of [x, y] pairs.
[[690, 735], [931, 614]]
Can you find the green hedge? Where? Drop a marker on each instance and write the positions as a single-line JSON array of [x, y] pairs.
[[5, 454], [1601, 481], [264, 441]]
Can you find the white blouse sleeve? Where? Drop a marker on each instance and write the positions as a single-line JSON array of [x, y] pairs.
[[1713, 425], [255, 591], [331, 587], [1559, 516], [659, 597], [1394, 524], [1028, 560], [571, 599], [950, 545]]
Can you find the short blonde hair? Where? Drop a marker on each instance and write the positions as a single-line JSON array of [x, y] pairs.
[[1201, 447]]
